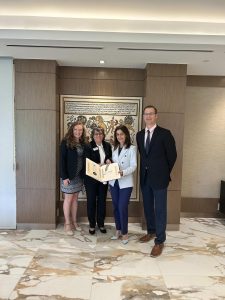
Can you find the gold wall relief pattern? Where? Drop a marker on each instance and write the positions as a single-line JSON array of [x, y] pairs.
[[104, 112]]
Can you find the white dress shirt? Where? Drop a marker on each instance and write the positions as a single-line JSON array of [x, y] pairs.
[[151, 132], [102, 154]]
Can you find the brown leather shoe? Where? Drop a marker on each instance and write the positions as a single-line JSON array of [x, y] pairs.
[[157, 250], [146, 238]]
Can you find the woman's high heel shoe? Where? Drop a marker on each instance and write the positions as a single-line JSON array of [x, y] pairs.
[[125, 239], [75, 226], [116, 236], [68, 230], [92, 231]]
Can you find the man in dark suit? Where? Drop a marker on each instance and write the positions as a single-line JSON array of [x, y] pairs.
[[158, 155]]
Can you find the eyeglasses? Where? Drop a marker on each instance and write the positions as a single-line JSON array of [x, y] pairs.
[[149, 114], [98, 133]]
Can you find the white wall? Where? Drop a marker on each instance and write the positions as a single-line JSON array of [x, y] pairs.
[[7, 150], [204, 142]]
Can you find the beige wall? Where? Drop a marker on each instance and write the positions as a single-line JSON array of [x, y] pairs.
[[204, 142]]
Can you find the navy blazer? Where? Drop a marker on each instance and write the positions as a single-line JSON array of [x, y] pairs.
[[155, 168], [68, 161], [92, 152]]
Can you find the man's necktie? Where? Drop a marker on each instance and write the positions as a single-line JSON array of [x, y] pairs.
[[147, 143]]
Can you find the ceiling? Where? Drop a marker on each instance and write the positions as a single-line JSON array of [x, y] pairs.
[[125, 34]]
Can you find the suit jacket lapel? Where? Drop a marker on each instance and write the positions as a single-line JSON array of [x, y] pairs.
[[142, 140], [93, 144]]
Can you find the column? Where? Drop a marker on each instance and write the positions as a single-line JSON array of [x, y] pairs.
[[165, 89], [7, 157], [37, 144]]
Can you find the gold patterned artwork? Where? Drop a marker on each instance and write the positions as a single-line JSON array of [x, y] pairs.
[[104, 112]]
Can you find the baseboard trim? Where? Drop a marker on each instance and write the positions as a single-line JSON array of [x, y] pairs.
[[202, 215], [173, 227], [35, 226], [29, 226], [199, 205], [107, 220]]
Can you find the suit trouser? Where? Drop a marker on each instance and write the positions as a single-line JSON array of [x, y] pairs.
[[155, 209], [120, 200], [96, 203]]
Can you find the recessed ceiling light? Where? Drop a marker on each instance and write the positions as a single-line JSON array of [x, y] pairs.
[[102, 62]]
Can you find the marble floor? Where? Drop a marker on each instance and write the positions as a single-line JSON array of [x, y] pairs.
[[47, 264]]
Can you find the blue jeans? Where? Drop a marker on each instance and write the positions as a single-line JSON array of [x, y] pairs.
[[120, 200], [155, 209]]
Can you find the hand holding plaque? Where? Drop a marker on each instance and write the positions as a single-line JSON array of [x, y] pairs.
[[102, 173]]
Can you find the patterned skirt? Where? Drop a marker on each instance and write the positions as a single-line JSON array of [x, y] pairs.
[[75, 186]]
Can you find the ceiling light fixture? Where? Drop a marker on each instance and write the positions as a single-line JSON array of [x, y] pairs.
[[102, 62]]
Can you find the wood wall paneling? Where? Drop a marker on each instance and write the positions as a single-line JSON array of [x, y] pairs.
[[37, 119], [165, 70], [36, 148], [134, 211], [165, 88], [101, 73], [35, 66], [36, 206], [173, 207], [206, 81], [35, 91], [167, 93], [101, 81], [95, 87]]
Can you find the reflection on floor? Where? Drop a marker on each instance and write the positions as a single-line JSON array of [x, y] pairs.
[[47, 264]]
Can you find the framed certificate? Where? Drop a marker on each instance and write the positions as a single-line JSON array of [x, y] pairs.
[[102, 173]]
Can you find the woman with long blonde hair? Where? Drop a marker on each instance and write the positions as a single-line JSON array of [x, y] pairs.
[[71, 173]]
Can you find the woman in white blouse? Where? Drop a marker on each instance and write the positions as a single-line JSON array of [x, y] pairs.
[[125, 155]]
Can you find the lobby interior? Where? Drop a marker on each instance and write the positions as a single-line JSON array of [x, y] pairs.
[[171, 55]]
